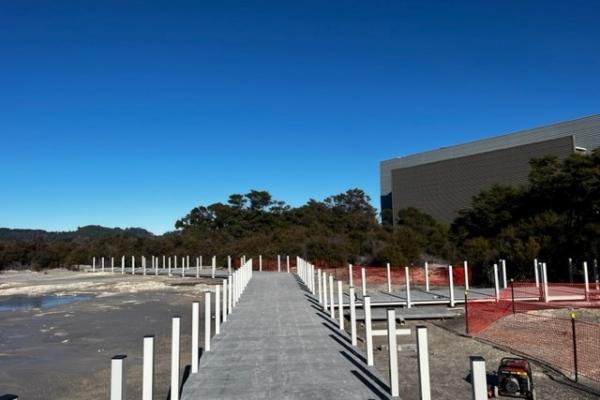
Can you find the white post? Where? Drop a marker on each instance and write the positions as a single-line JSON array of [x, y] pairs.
[[143, 265], [260, 262], [102, 264], [478, 378], [229, 294], [393, 352], [505, 282], [155, 265], [164, 263], [228, 265], [201, 262], [466, 272], [407, 285], [278, 263], [451, 282], [389, 278], [325, 292], [426, 276], [352, 317], [187, 261], [195, 335], [586, 279], [132, 265], [423, 357], [112, 265], [224, 300], [368, 329], [363, 279], [175, 259], [312, 279], [93, 264], [545, 278], [214, 266], [148, 371], [537, 274], [350, 275], [175, 358], [331, 302], [340, 305], [169, 265], [320, 286], [217, 309], [496, 284], [288, 263], [118, 378], [197, 267], [182, 267], [122, 265], [207, 317]]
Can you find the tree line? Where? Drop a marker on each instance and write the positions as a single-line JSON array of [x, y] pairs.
[[554, 217]]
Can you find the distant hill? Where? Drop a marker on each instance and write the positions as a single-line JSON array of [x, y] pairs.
[[84, 232]]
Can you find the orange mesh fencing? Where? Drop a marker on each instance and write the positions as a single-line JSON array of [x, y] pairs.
[[522, 321]]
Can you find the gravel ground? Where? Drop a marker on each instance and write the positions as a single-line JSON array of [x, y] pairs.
[[449, 363]]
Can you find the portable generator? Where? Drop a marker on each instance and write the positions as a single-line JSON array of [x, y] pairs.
[[515, 379]]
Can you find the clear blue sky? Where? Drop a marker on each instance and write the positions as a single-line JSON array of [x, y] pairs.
[[130, 113]]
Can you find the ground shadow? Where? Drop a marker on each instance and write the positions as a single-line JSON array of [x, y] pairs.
[[368, 384], [365, 370]]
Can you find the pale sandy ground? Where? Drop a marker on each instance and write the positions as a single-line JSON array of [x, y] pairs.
[[64, 352]]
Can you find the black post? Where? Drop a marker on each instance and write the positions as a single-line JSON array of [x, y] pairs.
[[467, 311], [512, 294], [574, 345]]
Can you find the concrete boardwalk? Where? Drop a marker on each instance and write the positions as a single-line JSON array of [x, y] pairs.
[[277, 344]]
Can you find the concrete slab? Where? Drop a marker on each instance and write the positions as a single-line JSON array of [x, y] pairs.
[[415, 313], [277, 344]]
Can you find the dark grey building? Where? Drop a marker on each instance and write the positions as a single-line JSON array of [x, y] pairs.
[[441, 182]]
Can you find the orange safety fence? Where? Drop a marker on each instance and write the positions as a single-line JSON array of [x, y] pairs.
[[523, 321], [438, 276]]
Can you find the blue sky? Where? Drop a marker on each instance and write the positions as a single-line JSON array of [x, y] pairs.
[[130, 113]]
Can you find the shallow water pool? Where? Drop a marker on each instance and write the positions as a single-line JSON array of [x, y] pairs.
[[16, 303]]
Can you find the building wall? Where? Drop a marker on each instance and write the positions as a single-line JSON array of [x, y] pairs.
[[442, 188], [582, 132]]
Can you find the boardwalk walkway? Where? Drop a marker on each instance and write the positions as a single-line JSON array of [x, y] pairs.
[[278, 345]]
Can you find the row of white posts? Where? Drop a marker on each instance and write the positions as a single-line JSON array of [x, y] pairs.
[[324, 289], [156, 265], [363, 278], [227, 295], [171, 262]]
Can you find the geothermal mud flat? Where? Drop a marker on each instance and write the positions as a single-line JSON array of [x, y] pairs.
[[59, 330]]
